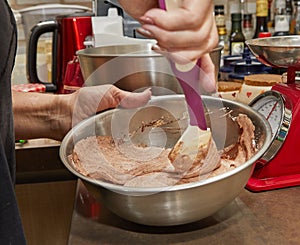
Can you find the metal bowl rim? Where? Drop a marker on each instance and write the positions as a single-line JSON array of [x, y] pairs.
[[139, 54], [145, 190], [259, 42]]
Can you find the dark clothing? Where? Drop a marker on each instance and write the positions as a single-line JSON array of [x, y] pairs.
[[11, 231]]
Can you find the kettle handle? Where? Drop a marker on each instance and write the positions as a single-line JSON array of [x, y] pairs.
[[31, 64]]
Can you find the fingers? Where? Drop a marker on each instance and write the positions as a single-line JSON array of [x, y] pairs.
[[110, 97], [191, 13], [133, 100], [188, 31], [91, 100], [190, 39], [88, 101]]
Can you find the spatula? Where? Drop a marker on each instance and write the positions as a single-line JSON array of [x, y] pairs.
[[196, 141]]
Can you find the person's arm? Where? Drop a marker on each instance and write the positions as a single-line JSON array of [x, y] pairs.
[[39, 115]]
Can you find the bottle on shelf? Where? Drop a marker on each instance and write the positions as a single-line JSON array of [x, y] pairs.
[[244, 7], [295, 21], [261, 17], [237, 38], [247, 26], [270, 16], [223, 40], [281, 18], [220, 16], [289, 10], [221, 26]]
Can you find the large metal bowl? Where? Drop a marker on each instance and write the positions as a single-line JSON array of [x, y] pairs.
[[178, 204], [132, 67], [281, 51]]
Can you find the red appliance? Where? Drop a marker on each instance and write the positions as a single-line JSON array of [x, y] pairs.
[[280, 167], [69, 34]]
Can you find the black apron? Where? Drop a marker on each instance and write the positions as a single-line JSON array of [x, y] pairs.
[[11, 231]]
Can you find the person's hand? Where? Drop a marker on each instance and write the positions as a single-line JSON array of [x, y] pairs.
[[88, 101], [187, 32], [184, 34]]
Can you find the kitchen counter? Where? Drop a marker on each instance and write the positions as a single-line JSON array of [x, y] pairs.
[[252, 218], [57, 209], [38, 161]]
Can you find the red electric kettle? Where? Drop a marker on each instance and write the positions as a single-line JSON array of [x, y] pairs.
[[69, 34]]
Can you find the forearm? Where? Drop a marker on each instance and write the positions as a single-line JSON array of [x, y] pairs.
[[38, 115]]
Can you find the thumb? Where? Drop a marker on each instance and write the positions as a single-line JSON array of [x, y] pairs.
[[133, 100]]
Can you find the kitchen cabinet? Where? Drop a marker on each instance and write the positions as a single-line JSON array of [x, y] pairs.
[[46, 210], [45, 192]]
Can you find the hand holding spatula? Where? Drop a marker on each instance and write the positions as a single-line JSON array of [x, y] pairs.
[[196, 146]]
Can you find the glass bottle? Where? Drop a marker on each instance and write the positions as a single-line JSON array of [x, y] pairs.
[[221, 26], [237, 38], [270, 16], [219, 16], [289, 10], [279, 7], [247, 26], [223, 40], [281, 19], [261, 17], [244, 7], [295, 21]]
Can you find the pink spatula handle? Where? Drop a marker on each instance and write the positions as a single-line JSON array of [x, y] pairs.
[[189, 81]]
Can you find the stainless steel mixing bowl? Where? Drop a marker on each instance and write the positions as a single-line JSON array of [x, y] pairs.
[[132, 67], [281, 51], [177, 204]]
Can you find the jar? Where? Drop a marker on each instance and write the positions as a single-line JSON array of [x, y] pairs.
[[255, 85], [229, 90]]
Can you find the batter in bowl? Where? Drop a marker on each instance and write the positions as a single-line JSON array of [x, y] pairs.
[[99, 157]]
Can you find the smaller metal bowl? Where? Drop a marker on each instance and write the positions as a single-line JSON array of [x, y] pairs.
[[281, 51], [132, 67], [179, 204]]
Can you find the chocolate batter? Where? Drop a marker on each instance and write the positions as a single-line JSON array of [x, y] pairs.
[[122, 163]]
